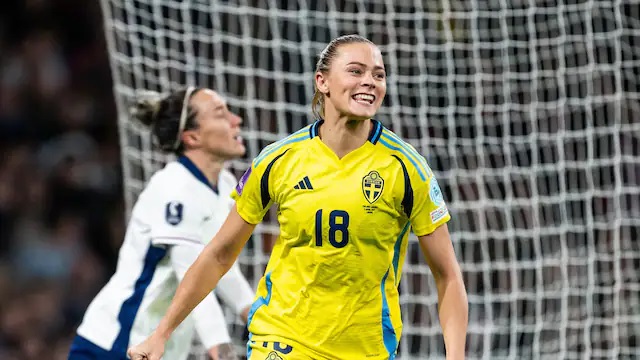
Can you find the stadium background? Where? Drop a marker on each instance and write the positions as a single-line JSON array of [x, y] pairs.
[[61, 203]]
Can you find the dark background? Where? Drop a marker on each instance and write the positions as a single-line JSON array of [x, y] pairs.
[[61, 207]]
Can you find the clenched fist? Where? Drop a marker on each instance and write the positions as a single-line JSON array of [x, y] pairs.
[[150, 349]]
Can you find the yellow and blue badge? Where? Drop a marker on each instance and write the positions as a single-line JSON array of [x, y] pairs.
[[372, 186]]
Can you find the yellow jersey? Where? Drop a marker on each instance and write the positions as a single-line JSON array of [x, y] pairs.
[[331, 284]]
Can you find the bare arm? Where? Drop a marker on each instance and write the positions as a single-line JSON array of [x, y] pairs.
[[214, 261], [453, 307]]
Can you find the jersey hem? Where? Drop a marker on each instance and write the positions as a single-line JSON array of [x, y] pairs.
[[430, 230], [247, 217]]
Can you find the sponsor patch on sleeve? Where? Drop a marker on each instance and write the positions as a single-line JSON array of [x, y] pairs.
[[439, 213]]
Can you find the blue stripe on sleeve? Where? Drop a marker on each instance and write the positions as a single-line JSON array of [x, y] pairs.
[[391, 135], [403, 151], [300, 135], [410, 151]]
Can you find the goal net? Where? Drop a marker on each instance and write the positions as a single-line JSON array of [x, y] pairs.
[[526, 110]]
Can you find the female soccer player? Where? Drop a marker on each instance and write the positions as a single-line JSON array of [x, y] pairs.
[[178, 212], [348, 192]]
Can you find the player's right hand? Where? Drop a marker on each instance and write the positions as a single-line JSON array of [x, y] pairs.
[[150, 349]]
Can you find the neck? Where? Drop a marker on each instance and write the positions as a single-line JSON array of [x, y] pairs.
[[209, 166], [343, 135]]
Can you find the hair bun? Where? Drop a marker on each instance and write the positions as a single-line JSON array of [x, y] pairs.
[[146, 107]]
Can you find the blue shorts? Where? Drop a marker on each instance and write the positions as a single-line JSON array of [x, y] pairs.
[[83, 349]]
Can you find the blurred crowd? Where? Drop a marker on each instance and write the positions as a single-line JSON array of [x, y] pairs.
[[61, 217]]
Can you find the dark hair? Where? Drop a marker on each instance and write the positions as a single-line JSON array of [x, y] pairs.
[[163, 115], [324, 63]]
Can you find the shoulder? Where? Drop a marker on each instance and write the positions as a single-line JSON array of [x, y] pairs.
[[226, 182], [277, 149], [227, 177], [172, 183], [410, 159]]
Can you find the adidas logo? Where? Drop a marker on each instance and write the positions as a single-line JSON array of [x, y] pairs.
[[304, 184]]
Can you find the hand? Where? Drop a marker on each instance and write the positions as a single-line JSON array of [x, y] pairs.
[[223, 352], [150, 349]]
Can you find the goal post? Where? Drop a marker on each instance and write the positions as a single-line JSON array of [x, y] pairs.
[[527, 111]]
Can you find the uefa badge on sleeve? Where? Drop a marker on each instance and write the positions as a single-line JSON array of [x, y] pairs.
[[435, 194]]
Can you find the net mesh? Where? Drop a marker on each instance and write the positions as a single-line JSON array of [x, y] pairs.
[[526, 110]]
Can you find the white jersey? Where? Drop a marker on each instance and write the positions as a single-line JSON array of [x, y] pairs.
[[175, 216]]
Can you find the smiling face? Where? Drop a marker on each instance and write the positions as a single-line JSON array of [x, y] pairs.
[[218, 129], [355, 83]]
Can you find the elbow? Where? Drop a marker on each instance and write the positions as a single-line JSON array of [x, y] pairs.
[[224, 261], [446, 277], [445, 271], [223, 256]]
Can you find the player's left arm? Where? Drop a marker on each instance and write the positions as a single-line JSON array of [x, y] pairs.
[[452, 296], [429, 216]]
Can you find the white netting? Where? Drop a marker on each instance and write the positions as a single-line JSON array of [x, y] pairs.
[[526, 110]]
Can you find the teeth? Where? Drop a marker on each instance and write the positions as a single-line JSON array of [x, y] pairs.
[[364, 97]]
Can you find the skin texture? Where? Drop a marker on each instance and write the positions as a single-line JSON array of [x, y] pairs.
[[218, 128], [357, 69], [216, 138], [453, 307]]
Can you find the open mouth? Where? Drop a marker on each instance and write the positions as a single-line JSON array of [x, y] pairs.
[[367, 99]]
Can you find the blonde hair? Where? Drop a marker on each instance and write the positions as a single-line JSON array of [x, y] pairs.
[[324, 64]]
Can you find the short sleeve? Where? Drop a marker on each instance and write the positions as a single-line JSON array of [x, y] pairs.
[[429, 208], [252, 192], [175, 217]]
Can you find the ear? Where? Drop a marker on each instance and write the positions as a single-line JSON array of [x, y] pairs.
[[190, 138], [322, 83]]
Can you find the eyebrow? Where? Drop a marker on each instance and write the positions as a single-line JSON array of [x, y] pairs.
[[364, 65]]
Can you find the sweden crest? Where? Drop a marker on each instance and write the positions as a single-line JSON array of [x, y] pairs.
[[372, 186]]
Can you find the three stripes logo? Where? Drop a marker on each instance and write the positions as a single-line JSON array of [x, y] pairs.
[[304, 184]]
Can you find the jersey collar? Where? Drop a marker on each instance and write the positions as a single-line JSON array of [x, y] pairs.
[[193, 169], [374, 134]]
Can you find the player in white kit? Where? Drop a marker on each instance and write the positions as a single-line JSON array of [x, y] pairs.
[[179, 211]]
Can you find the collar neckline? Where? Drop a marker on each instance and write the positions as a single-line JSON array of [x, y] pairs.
[[193, 169], [374, 134]]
